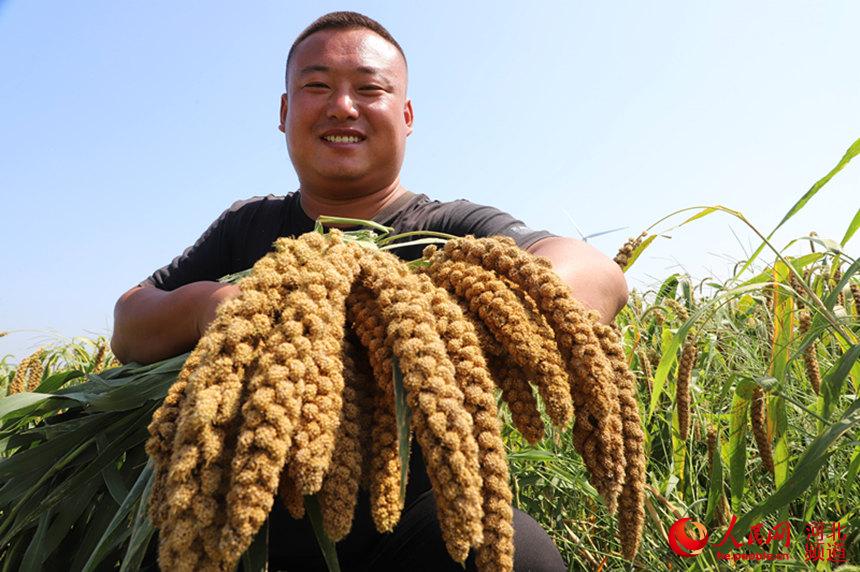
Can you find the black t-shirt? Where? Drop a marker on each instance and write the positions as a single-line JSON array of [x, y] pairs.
[[244, 233]]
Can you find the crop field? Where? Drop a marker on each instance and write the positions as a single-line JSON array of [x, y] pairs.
[[747, 392]]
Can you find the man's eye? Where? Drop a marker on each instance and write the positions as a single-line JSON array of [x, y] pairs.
[[316, 84], [370, 88]]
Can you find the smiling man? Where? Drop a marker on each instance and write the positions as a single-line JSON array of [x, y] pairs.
[[346, 117]]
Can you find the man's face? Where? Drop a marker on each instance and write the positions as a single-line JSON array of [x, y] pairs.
[[345, 114]]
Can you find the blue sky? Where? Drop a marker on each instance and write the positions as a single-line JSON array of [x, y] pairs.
[[126, 128]]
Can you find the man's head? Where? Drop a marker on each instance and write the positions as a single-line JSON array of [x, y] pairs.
[[345, 112]]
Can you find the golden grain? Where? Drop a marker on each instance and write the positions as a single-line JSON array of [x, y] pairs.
[[625, 253], [682, 387], [442, 426], [810, 354], [527, 340], [758, 421], [384, 468], [597, 431]]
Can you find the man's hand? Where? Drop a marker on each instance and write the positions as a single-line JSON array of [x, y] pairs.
[[210, 305], [152, 324], [594, 279]]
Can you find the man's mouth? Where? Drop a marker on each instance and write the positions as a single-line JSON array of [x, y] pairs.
[[342, 138]]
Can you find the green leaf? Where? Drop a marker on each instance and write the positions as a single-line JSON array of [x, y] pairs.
[[639, 250], [96, 523], [679, 449], [256, 558], [670, 345], [25, 512], [110, 474], [853, 468], [846, 158], [68, 513], [852, 228], [133, 432], [782, 323], [55, 381], [667, 289], [23, 403], [312, 506], [715, 482], [737, 441], [831, 386], [777, 412], [403, 417], [34, 556], [152, 386], [115, 531], [142, 529], [46, 454]]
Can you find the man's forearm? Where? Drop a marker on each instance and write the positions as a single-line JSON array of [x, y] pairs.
[[152, 324], [594, 279]]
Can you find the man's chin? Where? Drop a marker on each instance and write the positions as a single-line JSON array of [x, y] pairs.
[[343, 175]]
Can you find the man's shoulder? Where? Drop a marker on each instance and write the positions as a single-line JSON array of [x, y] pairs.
[[422, 203], [258, 202]]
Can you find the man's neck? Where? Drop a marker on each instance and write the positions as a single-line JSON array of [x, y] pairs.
[[365, 207]]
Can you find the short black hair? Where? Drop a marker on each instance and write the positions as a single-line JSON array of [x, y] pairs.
[[342, 21]]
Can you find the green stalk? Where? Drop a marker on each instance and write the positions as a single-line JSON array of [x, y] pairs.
[[402, 235], [323, 220]]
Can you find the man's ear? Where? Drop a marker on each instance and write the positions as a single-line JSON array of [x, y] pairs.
[[282, 126], [408, 115]]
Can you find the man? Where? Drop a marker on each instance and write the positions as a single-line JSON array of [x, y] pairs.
[[346, 118]]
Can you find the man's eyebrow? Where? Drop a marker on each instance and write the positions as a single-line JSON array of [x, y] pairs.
[[321, 68], [313, 68]]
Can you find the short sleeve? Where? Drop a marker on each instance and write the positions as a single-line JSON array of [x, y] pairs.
[[463, 217], [201, 261]]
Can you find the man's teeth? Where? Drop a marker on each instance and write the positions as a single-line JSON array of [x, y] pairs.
[[342, 138]]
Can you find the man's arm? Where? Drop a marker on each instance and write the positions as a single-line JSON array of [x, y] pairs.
[[152, 324], [594, 279]]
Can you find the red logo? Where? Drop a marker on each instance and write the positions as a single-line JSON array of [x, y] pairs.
[[683, 544]]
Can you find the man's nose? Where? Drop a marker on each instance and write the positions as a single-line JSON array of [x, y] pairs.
[[342, 106]]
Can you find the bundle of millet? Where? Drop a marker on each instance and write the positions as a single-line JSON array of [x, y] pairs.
[[597, 430], [272, 397]]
